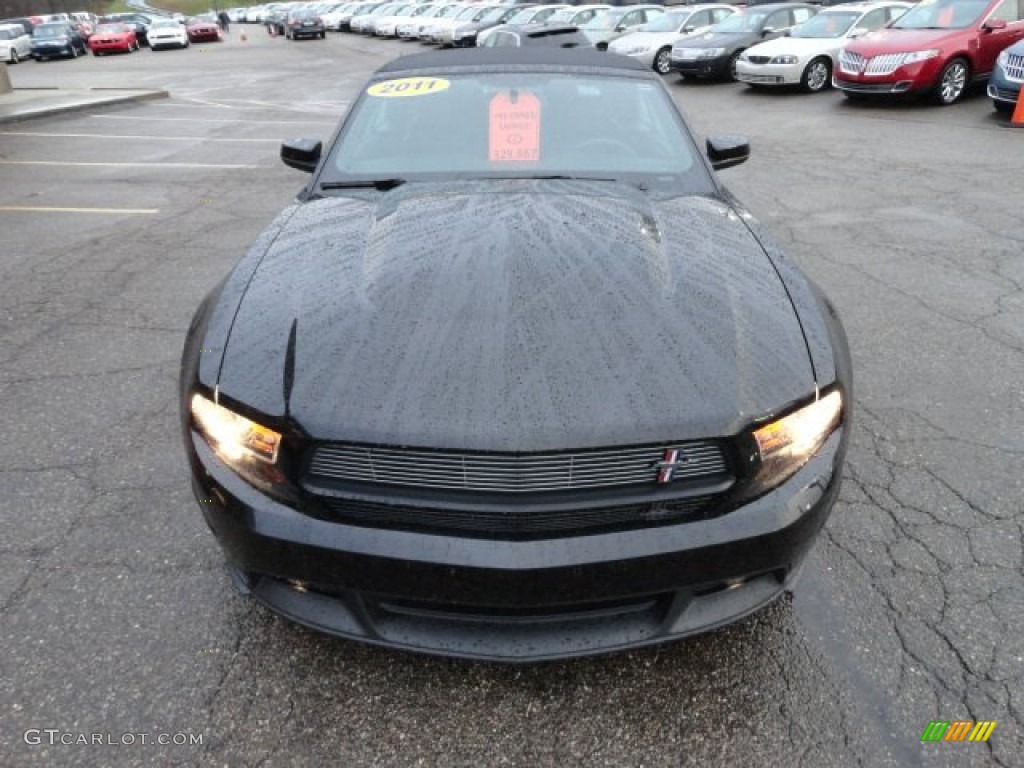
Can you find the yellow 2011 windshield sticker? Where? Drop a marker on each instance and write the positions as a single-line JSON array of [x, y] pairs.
[[408, 86]]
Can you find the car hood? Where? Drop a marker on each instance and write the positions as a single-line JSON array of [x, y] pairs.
[[903, 40], [714, 40], [516, 316], [797, 46]]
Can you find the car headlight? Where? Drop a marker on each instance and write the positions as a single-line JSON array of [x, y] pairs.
[[250, 449], [1003, 58], [785, 445], [783, 59], [710, 53], [915, 56]]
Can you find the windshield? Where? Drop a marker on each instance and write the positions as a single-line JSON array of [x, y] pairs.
[[563, 15], [50, 31], [6, 34], [520, 125], [494, 14], [448, 11], [467, 13], [161, 23], [666, 22], [523, 17], [826, 25], [942, 14], [605, 20], [744, 21], [111, 29], [424, 10]]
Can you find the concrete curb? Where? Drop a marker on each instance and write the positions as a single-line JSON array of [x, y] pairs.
[[28, 110]]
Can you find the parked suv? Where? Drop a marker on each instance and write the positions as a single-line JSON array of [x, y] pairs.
[[938, 47]]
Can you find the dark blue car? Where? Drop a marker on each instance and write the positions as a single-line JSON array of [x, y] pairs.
[[1004, 85]]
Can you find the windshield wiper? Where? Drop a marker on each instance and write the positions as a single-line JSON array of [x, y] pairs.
[[566, 177], [383, 184]]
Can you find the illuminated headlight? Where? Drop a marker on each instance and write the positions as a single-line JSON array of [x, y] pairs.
[[783, 59], [710, 53], [916, 56], [250, 449], [787, 444]]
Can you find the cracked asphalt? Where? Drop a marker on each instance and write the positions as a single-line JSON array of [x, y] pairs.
[[117, 613]]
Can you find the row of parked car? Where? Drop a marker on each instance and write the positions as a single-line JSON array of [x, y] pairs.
[[73, 35]]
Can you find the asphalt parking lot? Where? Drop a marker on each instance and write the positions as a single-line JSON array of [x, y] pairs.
[[118, 617]]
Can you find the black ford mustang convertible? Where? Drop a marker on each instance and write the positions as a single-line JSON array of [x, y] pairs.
[[515, 377]]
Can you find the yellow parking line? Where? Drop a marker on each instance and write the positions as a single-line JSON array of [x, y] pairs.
[[47, 209]]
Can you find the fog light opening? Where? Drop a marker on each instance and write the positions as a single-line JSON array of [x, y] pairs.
[[298, 586]]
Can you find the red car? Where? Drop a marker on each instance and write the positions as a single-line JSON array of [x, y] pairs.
[[112, 37], [202, 31], [938, 47]]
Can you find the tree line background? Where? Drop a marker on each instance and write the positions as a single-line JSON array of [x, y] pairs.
[[17, 8]]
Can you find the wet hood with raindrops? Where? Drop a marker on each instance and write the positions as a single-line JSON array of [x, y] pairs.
[[514, 316]]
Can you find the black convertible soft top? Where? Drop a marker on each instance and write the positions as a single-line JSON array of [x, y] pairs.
[[513, 57]]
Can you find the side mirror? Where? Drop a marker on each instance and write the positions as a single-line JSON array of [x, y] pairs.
[[767, 31], [620, 28], [301, 154], [727, 150], [688, 29], [993, 24], [858, 32]]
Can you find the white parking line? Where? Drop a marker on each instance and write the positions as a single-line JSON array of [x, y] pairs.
[[216, 120], [46, 209], [130, 165], [121, 137]]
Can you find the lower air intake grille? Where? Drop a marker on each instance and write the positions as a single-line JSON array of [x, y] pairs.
[[517, 525]]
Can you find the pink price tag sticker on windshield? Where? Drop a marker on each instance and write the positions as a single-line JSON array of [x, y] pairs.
[[514, 128]]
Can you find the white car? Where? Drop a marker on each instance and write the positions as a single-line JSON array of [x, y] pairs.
[[409, 28], [446, 35], [363, 22], [15, 43], [652, 43], [386, 26], [808, 55], [535, 14], [166, 33], [330, 17]]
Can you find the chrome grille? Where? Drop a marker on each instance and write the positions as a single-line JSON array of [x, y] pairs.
[[885, 64], [512, 473], [850, 62], [477, 523], [1015, 67]]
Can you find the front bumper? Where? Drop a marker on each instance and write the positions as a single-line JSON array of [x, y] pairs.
[[46, 52], [716, 67], [769, 74], [919, 77], [516, 601], [1002, 89], [104, 47]]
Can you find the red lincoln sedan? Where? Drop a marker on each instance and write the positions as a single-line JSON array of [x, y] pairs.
[[938, 47], [113, 37]]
